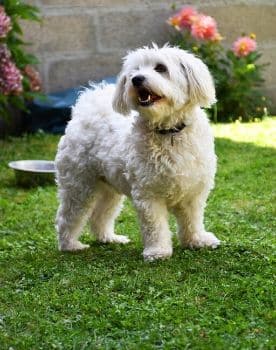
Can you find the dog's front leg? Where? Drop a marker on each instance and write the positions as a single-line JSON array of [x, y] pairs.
[[153, 216], [191, 231]]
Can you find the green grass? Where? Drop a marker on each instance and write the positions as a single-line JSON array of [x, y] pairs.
[[108, 298]]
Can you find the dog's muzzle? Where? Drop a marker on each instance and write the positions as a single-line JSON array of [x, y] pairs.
[[146, 97]]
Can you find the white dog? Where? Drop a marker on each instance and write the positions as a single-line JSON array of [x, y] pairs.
[[146, 138]]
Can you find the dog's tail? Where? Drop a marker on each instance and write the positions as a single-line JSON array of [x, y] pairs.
[[95, 101]]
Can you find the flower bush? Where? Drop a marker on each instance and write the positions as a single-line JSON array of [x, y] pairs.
[[236, 71], [19, 81]]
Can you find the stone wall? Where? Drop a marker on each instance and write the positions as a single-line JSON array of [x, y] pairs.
[[84, 40]]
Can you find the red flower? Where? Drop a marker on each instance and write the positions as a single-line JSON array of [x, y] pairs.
[[243, 46], [205, 27], [184, 18], [34, 78]]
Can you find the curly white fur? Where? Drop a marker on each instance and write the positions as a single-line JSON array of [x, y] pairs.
[[105, 155]]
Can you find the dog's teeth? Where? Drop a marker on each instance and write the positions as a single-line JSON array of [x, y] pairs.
[[147, 100]]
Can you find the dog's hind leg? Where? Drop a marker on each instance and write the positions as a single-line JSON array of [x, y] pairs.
[[75, 207], [106, 208]]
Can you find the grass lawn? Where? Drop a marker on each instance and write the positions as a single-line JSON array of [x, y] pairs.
[[108, 298]]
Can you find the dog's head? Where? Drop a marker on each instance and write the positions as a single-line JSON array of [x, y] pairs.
[[160, 81]]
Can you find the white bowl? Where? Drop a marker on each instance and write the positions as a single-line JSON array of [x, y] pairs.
[[33, 172]]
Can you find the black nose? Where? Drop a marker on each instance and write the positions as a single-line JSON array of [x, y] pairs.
[[138, 80]]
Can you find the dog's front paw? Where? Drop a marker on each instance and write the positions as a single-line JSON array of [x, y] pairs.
[[202, 239], [151, 254], [72, 246], [115, 239]]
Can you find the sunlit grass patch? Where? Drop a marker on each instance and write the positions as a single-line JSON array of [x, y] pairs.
[[261, 133]]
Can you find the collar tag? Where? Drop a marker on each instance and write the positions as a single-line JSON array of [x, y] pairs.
[[172, 140]]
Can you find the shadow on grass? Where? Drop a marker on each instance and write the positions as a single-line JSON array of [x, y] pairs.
[[103, 262]]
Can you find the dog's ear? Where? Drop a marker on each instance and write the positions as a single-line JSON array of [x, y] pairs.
[[201, 87], [119, 99]]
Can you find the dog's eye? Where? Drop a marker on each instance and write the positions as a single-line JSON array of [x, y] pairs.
[[160, 68]]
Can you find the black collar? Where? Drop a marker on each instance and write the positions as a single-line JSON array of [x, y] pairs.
[[171, 131], [176, 129]]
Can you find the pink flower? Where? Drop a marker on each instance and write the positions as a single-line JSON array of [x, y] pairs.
[[5, 23], [184, 18], [243, 46], [10, 76], [34, 78], [4, 54], [205, 27]]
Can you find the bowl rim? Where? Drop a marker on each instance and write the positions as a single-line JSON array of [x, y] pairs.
[[18, 165]]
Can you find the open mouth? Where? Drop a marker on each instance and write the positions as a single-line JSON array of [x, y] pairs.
[[146, 97]]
